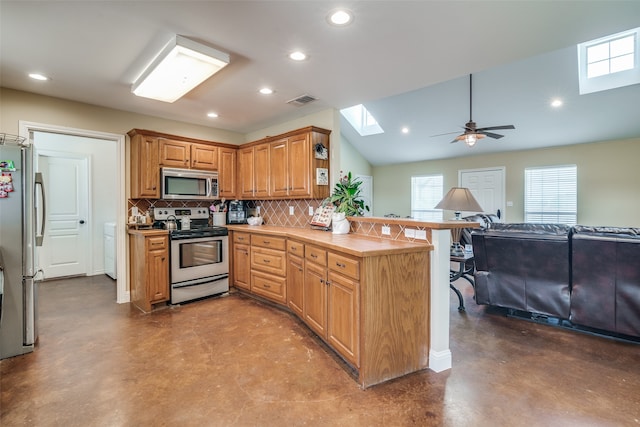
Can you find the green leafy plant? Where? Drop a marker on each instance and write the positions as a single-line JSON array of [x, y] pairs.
[[346, 196]]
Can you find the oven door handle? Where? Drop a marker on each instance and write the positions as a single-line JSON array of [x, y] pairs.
[[199, 282]]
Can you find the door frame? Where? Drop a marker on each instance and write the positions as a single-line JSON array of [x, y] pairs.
[[122, 281], [89, 216]]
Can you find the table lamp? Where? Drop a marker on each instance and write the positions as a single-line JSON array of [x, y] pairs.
[[458, 199]]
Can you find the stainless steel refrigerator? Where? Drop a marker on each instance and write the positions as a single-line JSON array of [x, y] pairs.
[[19, 219]]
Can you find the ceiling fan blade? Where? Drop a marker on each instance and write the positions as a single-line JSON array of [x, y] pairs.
[[490, 134], [454, 141], [448, 133], [497, 127]]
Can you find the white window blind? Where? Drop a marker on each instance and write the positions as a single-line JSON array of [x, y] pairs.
[[426, 192], [550, 195]]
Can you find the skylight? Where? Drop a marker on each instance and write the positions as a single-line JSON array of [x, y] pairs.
[[609, 62], [361, 120]]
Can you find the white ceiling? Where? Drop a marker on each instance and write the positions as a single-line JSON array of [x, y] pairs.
[[407, 61]]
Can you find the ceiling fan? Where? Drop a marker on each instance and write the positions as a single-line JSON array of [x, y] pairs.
[[472, 133]]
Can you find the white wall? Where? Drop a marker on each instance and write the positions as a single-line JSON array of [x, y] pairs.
[[102, 164]]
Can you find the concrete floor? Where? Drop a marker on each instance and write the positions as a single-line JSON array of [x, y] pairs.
[[233, 361]]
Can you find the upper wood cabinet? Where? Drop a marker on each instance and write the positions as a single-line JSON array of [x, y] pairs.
[[227, 176], [291, 166], [254, 172], [189, 155], [145, 170]]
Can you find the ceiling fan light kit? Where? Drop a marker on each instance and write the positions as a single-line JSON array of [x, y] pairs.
[[472, 133]]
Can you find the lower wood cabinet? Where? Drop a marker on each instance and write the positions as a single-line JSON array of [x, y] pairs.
[[149, 267], [269, 267], [295, 277]]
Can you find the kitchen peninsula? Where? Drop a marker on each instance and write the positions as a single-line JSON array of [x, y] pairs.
[[370, 299]]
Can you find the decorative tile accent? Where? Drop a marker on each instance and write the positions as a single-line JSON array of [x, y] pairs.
[[276, 212]]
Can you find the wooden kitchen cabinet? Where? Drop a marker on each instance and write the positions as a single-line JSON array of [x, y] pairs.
[[241, 260], [295, 277], [253, 172], [149, 267], [204, 157], [227, 177], [175, 154], [315, 297], [269, 267], [145, 169], [289, 170]]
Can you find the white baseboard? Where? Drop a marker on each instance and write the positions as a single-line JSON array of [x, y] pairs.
[[439, 360]]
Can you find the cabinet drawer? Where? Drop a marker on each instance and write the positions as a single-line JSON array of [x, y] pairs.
[[157, 243], [244, 238], [295, 248], [269, 286], [269, 260], [343, 265], [317, 255], [269, 241]]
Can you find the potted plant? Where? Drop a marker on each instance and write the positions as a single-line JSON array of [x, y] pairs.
[[346, 196]]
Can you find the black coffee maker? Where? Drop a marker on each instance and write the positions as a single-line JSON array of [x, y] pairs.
[[237, 212]]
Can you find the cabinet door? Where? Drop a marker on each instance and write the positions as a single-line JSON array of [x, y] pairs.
[[261, 171], [343, 313], [279, 162], [227, 172], [299, 169], [157, 269], [246, 172], [295, 284], [175, 153], [241, 266], [315, 298], [145, 171], [204, 157]]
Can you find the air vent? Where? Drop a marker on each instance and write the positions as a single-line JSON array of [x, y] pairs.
[[301, 100]]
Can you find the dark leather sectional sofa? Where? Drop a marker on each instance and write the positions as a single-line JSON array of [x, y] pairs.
[[582, 277]]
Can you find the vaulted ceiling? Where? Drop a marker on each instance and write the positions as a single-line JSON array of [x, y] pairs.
[[407, 61]]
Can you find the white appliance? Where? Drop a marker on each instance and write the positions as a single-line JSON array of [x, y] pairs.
[[18, 240], [189, 184], [110, 249]]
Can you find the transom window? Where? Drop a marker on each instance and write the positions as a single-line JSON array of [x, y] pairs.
[[609, 62], [550, 195], [426, 192]]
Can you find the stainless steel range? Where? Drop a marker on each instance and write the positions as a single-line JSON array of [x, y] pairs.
[[199, 254]]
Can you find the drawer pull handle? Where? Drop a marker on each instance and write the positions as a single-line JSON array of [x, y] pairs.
[[266, 261], [266, 242], [240, 238], [314, 256], [341, 265], [266, 285]]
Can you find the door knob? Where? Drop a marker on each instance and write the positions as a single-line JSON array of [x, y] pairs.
[[82, 221]]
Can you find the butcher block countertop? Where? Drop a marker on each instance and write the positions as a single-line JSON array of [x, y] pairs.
[[356, 245]]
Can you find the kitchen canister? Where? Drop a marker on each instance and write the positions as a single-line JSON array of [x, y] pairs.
[[219, 218]]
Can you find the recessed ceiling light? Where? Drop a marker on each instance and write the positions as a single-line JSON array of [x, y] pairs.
[[556, 103], [405, 130], [212, 115], [266, 91], [38, 76], [297, 56], [340, 17]]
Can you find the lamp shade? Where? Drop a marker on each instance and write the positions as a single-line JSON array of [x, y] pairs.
[[459, 199]]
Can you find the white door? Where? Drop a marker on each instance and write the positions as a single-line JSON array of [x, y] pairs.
[[366, 191], [65, 246], [487, 186]]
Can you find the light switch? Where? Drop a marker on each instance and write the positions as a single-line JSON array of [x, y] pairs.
[[310, 210], [386, 230]]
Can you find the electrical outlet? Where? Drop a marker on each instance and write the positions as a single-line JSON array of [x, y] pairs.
[[421, 234], [386, 231], [291, 211], [409, 233], [311, 211], [258, 210]]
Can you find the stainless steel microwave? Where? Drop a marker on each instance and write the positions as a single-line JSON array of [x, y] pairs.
[[189, 184]]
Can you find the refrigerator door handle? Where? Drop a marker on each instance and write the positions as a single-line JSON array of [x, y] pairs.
[[1, 284], [40, 182]]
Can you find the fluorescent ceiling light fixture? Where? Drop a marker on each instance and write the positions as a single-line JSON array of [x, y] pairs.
[[181, 66], [361, 120], [266, 91], [298, 56], [38, 76]]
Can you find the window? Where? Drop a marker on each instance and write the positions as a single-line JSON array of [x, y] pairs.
[[550, 195], [361, 120], [609, 62], [426, 192]]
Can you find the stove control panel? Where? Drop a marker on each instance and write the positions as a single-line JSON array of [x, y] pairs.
[[162, 214]]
